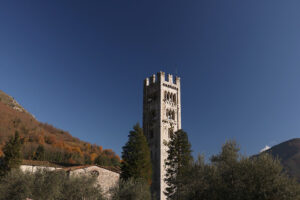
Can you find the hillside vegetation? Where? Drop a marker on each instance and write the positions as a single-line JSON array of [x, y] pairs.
[[43, 141]]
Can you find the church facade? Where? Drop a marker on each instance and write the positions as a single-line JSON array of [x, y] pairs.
[[161, 118]]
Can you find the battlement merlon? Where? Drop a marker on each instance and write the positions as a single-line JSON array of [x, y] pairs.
[[161, 76], [170, 78], [153, 79], [177, 81], [146, 82]]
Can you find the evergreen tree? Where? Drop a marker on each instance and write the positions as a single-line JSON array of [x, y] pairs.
[[177, 163], [136, 157], [12, 154], [40, 153], [102, 160]]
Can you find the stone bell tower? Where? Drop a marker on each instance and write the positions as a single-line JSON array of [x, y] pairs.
[[161, 118]]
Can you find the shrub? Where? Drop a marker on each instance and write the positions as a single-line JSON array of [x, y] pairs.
[[231, 176], [131, 190], [48, 185]]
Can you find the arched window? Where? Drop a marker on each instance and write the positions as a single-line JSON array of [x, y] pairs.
[[165, 95], [169, 114], [174, 98]]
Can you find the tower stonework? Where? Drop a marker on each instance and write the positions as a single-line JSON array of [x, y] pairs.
[[161, 118]]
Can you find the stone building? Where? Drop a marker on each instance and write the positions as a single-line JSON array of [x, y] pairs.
[[105, 177], [161, 118]]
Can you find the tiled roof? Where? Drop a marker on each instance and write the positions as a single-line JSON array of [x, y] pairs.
[[113, 169], [40, 163]]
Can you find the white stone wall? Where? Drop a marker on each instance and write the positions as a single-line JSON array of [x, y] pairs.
[[32, 169], [105, 178]]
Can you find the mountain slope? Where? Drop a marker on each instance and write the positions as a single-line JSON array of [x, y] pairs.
[[11, 102], [59, 145], [289, 154]]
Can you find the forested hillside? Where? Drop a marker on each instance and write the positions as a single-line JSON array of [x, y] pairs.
[[45, 142]]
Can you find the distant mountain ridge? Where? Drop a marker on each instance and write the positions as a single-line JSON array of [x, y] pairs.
[[289, 154], [59, 145]]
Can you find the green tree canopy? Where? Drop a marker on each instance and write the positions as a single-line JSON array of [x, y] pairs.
[[231, 176], [177, 163], [136, 157], [131, 189], [12, 154], [48, 185]]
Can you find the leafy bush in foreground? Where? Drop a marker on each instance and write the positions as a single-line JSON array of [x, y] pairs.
[[131, 190], [231, 176], [48, 185]]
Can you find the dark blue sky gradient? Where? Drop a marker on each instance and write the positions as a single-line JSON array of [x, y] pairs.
[[80, 65]]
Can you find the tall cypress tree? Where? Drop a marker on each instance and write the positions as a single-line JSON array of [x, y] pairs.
[[12, 154], [136, 156], [177, 163]]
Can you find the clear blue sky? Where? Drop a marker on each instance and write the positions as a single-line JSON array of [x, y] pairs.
[[80, 65]]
